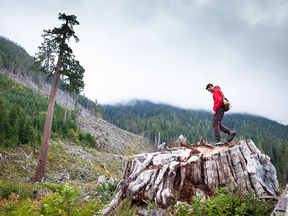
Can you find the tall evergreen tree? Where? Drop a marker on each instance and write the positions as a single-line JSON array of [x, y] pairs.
[[1, 63], [13, 115], [14, 140], [56, 44]]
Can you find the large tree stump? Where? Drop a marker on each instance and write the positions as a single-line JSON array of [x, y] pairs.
[[156, 176]]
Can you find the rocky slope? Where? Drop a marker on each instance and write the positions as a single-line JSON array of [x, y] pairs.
[[85, 164], [111, 138]]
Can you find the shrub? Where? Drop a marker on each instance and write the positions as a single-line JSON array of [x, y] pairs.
[[64, 201], [14, 206], [7, 190], [91, 208], [9, 205], [125, 209], [226, 203], [105, 191]]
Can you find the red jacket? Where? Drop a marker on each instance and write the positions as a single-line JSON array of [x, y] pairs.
[[218, 101]]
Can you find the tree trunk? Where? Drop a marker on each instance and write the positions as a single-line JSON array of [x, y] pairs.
[[158, 140], [41, 165], [189, 170], [286, 174], [66, 107]]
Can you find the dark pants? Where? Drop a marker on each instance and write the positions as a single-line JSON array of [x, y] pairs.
[[217, 118]]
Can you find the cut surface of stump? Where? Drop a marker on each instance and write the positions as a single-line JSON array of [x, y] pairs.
[[159, 175]]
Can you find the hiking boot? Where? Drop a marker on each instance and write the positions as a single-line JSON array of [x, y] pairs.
[[231, 135], [217, 142]]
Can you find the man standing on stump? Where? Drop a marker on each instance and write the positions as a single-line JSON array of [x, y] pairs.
[[218, 113]]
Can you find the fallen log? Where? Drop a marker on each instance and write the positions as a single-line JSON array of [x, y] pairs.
[[156, 176], [282, 206]]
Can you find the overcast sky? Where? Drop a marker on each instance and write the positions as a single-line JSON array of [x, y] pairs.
[[168, 50]]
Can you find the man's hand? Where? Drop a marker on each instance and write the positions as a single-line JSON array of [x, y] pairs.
[[213, 112]]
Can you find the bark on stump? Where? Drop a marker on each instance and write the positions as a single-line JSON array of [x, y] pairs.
[[156, 176]]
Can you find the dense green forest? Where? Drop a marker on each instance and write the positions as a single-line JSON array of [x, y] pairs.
[[23, 113], [143, 116], [13, 56]]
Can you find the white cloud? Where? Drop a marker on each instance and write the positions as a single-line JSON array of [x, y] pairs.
[[272, 14]]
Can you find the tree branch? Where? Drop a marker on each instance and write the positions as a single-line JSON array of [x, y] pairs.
[[50, 73], [105, 168]]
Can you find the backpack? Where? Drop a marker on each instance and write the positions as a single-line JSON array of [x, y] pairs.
[[226, 103]]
